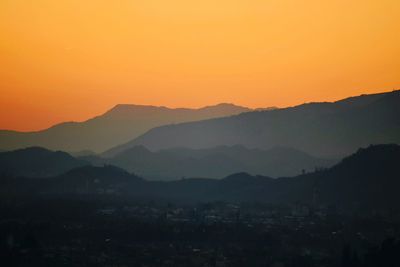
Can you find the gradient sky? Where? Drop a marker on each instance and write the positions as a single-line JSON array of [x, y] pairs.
[[63, 60]]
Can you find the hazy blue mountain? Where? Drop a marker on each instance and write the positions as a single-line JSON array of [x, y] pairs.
[[366, 180], [323, 129], [37, 162], [175, 163], [116, 126], [370, 177]]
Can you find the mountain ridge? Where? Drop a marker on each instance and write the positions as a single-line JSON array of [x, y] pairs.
[[322, 129], [368, 180], [37, 162], [174, 163], [115, 126]]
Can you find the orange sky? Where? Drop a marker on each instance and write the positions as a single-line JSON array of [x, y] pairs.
[[73, 59]]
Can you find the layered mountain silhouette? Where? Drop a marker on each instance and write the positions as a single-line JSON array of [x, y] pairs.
[[323, 129], [37, 162], [93, 180], [368, 179], [170, 164], [82, 180], [175, 163], [116, 126]]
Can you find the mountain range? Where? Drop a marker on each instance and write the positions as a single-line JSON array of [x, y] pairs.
[[175, 163], [37, 162], [118, 125], [169, 164], [368, 179], [327, 130], [322, 129]]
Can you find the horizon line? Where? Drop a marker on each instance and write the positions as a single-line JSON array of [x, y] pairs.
[[193, 108]]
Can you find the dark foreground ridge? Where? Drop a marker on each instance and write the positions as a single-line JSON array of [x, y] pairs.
[[370, 178], [344, 216], [37, 162]]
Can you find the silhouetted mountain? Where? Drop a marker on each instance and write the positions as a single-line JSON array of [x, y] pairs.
[[105, 180], [116, 126], [324, 129], [82, 153], [93, 180], [366, 180], [172, 164], [37, 162], [369, 178]]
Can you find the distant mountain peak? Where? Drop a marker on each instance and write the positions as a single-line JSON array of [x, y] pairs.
[[222, 105], [121, 123], [123, 108], [322, 129], [133, 107]]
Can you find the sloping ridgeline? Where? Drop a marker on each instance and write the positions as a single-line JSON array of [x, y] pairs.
[[320, 129], [368, 179]]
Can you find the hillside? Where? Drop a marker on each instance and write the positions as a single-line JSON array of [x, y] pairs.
[[116, 126], [322, 129], [175, 163], [37, 162], [367, 180]]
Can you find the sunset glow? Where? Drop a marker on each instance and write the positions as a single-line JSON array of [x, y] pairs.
[[72, 60]]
